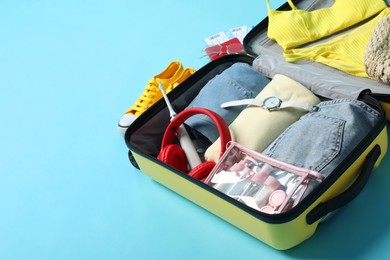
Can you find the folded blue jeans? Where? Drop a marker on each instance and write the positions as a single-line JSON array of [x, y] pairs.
[[321, 140], [239, 81]]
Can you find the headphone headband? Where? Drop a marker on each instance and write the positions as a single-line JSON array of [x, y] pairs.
[[180, 118]]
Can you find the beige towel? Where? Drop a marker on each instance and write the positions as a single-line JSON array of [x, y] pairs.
[[256, 127]]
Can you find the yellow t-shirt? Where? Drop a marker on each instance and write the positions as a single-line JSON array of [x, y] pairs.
[[296, 27], [345, 52]]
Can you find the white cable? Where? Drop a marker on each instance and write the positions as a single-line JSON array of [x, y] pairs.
[[186, 144]]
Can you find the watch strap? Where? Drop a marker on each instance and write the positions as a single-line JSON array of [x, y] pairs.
[[295, 104], [242, 102]]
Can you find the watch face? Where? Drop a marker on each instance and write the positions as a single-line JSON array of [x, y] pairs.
[[272, 103]]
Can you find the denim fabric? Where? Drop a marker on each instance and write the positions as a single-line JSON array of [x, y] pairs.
[[239, 81], [321, 140]]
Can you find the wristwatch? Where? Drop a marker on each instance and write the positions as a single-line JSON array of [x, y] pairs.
[[271, 104]]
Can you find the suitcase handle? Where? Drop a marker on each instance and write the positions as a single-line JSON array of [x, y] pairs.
[[349, 194]]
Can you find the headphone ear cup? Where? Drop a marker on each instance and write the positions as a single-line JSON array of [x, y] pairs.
[[174, 156], [201, 171]]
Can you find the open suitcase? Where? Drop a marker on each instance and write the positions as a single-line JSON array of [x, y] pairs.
[[288, 228]]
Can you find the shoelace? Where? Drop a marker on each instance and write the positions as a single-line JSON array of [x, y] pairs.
[[145, 100]]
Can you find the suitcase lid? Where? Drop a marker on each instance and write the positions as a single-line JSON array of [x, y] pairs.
[[329, 82]]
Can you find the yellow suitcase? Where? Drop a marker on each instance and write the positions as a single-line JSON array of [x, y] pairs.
[[286, 229]]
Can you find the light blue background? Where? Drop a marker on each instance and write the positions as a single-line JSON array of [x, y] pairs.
[[68, 70]]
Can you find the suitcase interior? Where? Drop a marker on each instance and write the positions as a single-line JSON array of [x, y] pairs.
[[284, 230]]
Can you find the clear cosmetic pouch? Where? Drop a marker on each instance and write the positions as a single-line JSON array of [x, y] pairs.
[[261, 182]]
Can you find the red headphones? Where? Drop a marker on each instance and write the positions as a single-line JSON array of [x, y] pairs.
[[173, 155]]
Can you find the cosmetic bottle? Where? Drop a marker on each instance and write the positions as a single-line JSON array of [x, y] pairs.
[[237, 188], [233, 172], [262, 196], [255, 183], [260, 174], [275, 200]]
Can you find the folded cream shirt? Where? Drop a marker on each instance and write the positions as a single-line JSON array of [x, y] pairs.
[[256, 127]]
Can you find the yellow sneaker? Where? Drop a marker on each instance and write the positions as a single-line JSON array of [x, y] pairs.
[[184, 75], [151, 94]]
